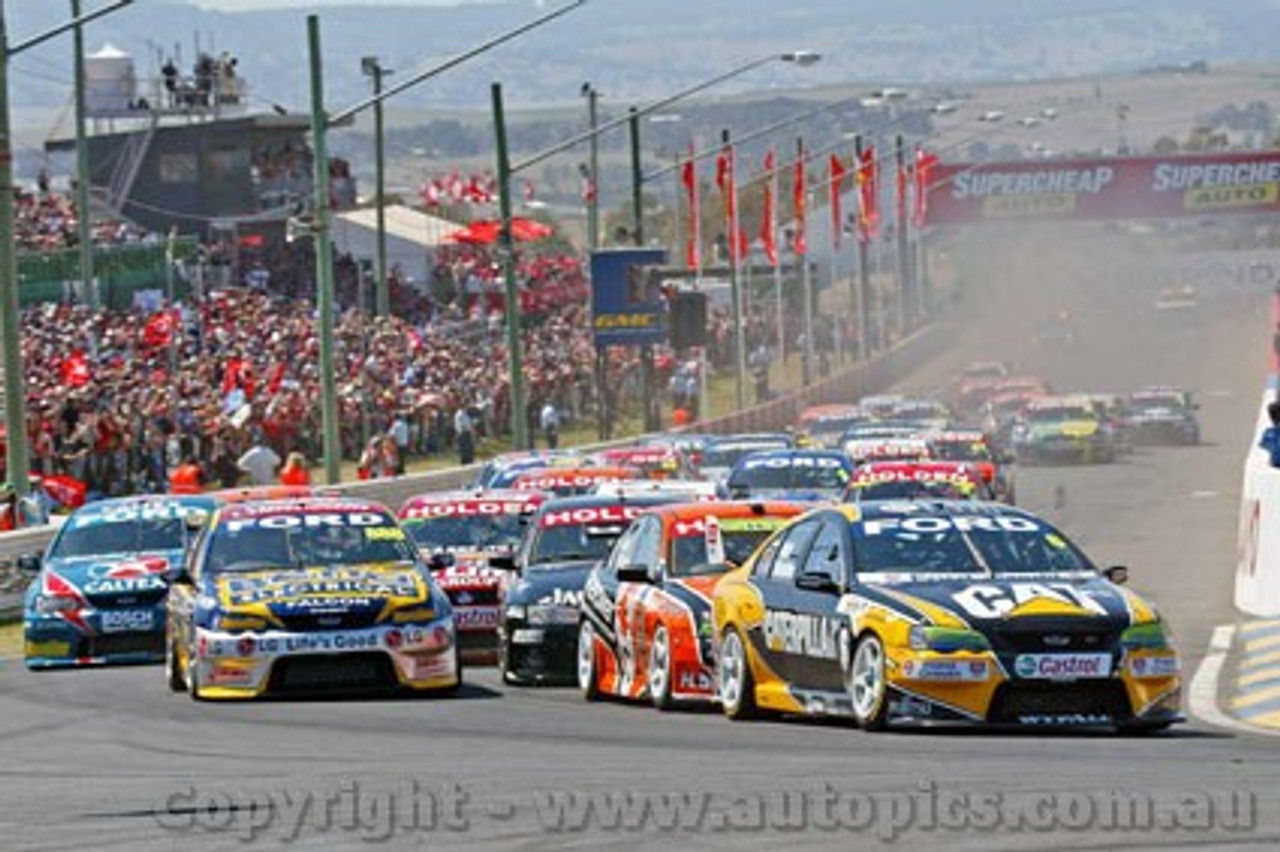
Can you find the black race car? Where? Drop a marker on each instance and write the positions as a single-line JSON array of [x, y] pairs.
[[538, 627]]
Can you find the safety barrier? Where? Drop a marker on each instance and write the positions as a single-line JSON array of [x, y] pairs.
[[874, 375], [1258, 554]]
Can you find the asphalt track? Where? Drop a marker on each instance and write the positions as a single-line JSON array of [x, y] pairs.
[[110, 760]]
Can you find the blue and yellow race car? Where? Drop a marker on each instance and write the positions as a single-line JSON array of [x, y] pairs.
[[99, 594], [925, 613]]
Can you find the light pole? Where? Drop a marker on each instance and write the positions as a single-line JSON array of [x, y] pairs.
[[593, 166], [320, 124], [372, 67], [15, 403], [84, 231]]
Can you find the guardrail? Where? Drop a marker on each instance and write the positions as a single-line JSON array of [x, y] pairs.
[[845, 386], [1258, 554]]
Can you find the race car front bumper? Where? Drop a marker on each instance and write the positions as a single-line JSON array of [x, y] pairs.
[[540, 646], [51, 641], [928, 688], [248, 665]]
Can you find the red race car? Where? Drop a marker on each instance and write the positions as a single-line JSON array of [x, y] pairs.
[[458, 532]]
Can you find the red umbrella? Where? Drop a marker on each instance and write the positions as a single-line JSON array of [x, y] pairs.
[[485, 232]]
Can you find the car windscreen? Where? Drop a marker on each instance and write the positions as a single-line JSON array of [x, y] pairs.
[[689, 553], [572, 542], [727, 455], [134, 535], [306, 539], [1156, 403], [961, 451], [765, 477], [453, 532], [913, 489], [923, 543], [1058, 415]]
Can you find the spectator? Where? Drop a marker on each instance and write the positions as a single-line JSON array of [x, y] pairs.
[[187, 478], [295, 470], [464, 431], [259, 462], [1271, 435], [550, 422]]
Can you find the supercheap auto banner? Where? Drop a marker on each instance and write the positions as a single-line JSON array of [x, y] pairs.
[[1105, 188]]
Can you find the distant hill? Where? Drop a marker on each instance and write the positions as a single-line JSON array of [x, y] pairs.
[[637, 49]]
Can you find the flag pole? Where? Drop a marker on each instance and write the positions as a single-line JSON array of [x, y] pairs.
[[779, 307]]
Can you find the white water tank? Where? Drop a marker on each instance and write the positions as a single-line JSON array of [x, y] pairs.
[[110, 85]]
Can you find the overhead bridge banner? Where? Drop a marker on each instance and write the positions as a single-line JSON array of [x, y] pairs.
[[1105, 188]]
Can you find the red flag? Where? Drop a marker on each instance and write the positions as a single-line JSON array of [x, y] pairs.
[[231, 374], [869, 193], [693, 244], [75, 369], [729, 190], [159, 329], [903, 183], [837, 186], [767, 224], [801, 246], [457, 188], [923, 169]]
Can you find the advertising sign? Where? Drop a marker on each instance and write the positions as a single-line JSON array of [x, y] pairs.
[[1105, 188], [628, 308]]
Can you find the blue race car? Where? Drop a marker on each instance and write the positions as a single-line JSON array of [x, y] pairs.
[[804, 475], [99, 595]]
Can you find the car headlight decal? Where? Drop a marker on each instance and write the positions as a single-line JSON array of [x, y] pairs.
[[946, 640]]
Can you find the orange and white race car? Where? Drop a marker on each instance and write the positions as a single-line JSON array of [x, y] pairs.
[[645, 629]]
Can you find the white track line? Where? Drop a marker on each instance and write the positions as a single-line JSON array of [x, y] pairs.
[[1202, 697]]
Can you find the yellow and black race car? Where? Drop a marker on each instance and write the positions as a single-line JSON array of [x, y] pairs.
[[939, 612]]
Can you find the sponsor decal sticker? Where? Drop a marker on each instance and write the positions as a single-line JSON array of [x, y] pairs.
[[1163, 666], [599, 515], [128, 620], [986, 600], [803, 634], [1062, 666], [959, 670]]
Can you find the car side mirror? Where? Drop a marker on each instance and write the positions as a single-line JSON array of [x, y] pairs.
[[195, 519], [176, 575], [634, 574], [503, 561], [29, 563], [817, 583], [1117, 574]]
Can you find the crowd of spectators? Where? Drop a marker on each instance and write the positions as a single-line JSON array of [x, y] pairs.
[[49, 221], [119, 400]]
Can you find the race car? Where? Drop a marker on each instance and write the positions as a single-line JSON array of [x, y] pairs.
[[917, 480], [719, 456], [973, 446], [921, 413], [1062, 429], [652, 462], [908, 446], [303, 596], [457, 533], [930, 613], [803, 475], [502, 470], [566, 537], [646, 611], [569, 481], [1162, 415], [823, 425], [98, 595]]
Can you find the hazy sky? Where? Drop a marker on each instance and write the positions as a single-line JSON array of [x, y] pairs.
[[238, 5]]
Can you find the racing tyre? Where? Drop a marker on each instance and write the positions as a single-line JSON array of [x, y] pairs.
[[867, 685], [191, 675], [660, 670], [736, 685], [588, 680], [172, 672]]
